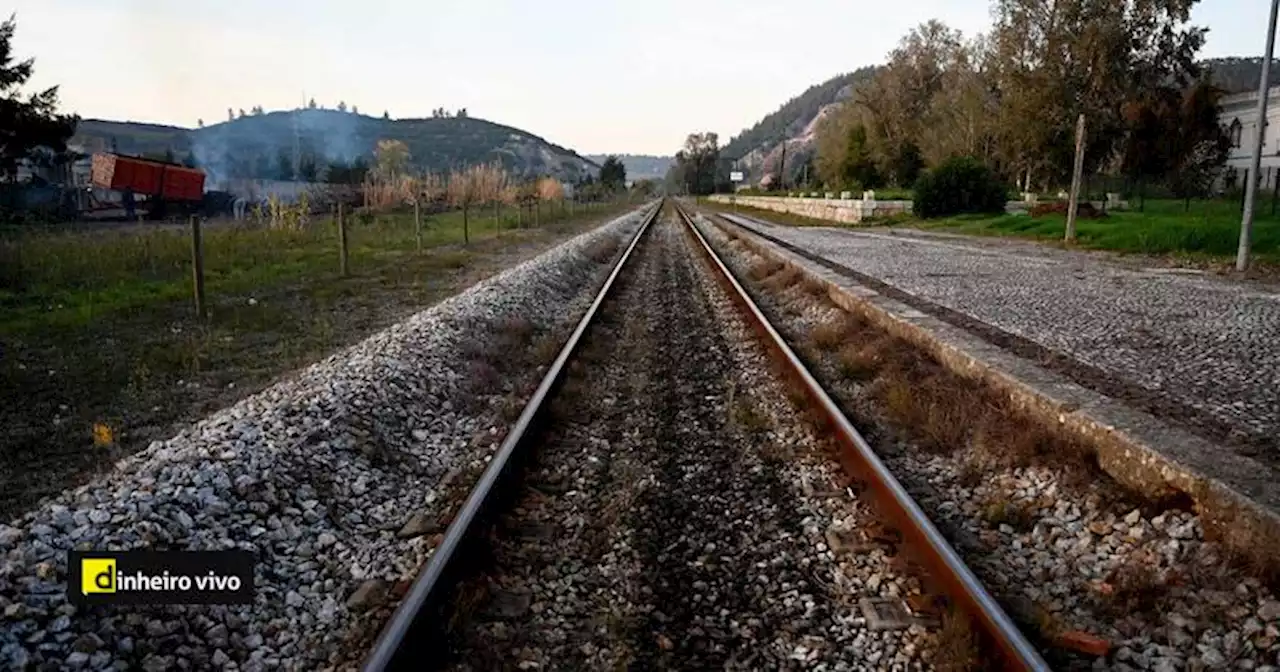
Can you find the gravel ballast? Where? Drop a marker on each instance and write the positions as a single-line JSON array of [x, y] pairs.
[[335, 478], [680, 513], [1065, 554]]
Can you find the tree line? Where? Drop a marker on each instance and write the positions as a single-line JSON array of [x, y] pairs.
[[1011, 99], [390, 183]]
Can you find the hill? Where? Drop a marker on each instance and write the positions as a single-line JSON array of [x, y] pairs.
[[640, 166], [1237, 75], [263, 146], [758, 149]]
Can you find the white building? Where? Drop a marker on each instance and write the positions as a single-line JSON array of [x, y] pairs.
[[1239, 117]]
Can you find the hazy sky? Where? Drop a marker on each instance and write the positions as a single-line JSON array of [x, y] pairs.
[[594, 75]]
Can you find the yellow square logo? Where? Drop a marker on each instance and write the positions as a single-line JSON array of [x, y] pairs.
[[97, 575]]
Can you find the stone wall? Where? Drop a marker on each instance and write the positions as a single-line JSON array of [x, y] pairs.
[[845, 210]]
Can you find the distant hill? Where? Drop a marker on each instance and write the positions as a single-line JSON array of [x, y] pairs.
[[758, 149], [640, 166], [258, 145], [1238, 75]]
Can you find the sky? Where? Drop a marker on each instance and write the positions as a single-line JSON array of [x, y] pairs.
[[594, 75]]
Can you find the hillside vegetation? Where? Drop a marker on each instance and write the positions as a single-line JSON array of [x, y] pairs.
[[639, 166], [1238, 75], [794, 114], [258, 145]]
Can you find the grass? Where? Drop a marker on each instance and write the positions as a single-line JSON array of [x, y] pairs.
[[1210, 228], [98, 327]]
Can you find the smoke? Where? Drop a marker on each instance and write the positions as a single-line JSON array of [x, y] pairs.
[[251, 147]]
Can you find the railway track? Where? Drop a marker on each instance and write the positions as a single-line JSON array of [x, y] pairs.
[[661, 503]]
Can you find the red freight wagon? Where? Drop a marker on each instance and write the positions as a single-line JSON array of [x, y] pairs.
[[157, 179]]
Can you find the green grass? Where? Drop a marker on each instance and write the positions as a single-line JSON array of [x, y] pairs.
[[1210, 228], [99, 326], [74, 278]]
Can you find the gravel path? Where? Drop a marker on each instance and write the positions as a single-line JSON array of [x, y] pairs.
[[680, 515], [1191, 348], [1062, 554], [334, 478]]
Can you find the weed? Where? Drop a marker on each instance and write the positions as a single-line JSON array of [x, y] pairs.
[[747, 417], [1000, 509], [830, 334], [957, 649], [1137, 584], [856, 363], [763, 267], [786, 277], [602, 249]]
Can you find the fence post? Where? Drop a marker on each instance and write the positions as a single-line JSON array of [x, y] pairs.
[[417, 222], [1075, 181], [197, 265], [342, 241]]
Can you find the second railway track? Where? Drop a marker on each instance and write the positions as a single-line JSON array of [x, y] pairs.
[[668, 503]]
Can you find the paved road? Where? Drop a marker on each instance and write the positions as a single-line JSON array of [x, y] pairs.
[[1207, 347]]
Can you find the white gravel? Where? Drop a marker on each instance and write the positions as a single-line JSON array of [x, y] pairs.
[[317, 475]]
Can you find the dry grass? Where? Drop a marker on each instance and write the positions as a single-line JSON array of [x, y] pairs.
[[1258, 555], [747, 417], [762, 268], [832, 333], [815, 288], [1000, 509], [602, 249], [957, 649], [1137, 584], [923, 400], [786, 277]]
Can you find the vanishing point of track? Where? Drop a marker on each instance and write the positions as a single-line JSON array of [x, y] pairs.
[[416, 633]]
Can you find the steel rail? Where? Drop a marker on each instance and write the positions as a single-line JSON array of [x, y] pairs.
[[415, 631], [944, 564]]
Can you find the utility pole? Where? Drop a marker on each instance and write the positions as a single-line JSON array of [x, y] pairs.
[[1255, 162]]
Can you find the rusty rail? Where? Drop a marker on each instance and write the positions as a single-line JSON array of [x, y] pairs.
[[891, 499], [415, 636]]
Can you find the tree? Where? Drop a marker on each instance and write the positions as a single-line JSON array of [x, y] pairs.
[[355, 109], [307, 168], [386, 115], [1176, 136], [311, 104], [231, 114], [906, 164], [284, 166], [257, 111], [241, 111], [29, 125], [613, 175], [199, 123], [470, 187], [696, 167], [844, 153], [391, 158], [1053, 60], [462, 113], [342, 106]]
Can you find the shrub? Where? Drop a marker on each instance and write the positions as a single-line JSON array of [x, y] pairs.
[[1084, 210], [957, 186]]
